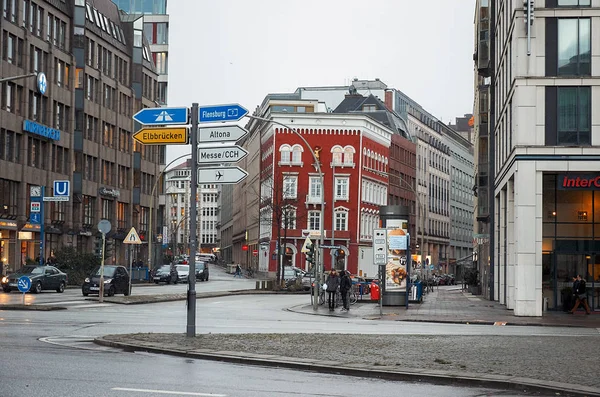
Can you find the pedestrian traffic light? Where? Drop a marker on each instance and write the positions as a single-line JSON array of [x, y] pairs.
[[98, 247], [310, 253], [528, 11]]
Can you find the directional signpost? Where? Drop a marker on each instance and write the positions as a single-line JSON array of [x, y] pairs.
[[24, 284], [221, 133], [162, 116], [223, 154], [162, 136], [220, 175], [221, 113]]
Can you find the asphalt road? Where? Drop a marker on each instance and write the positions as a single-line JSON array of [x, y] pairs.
[[50, 353]]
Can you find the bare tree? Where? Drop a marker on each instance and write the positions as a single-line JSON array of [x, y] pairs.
[[278, 206]]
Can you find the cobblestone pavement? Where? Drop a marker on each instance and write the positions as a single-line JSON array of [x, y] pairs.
[[546, 359]]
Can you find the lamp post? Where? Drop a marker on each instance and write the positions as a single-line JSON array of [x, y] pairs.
[[150, 234], [322, 214]]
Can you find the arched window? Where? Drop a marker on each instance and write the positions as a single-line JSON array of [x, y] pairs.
[[349, 155], [297, 154], [285, 151], [336, 157]]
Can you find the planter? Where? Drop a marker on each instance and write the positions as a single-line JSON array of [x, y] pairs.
[[475, 289]]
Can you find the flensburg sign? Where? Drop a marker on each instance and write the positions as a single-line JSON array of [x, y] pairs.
[[224, 154], [222, 133], [220, 113], [220, 175]]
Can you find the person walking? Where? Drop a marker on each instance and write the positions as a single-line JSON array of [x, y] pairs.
[[345, 286], [580, 293], [333, 283], [238, 271]]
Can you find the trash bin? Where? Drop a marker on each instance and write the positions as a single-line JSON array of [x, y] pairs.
[[374, 291], [545, 305]]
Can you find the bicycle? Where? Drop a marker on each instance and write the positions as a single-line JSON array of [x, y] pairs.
[[250, 272]]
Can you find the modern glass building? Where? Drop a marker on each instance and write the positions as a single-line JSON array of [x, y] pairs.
[[156, 30]]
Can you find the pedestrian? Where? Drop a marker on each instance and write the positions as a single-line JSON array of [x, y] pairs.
[[580, 294], [345, 287], [333, 283], [238, 271]]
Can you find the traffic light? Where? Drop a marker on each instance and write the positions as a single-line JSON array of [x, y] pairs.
[[528, 8], [98, 247], [108, 248], [310, 253]]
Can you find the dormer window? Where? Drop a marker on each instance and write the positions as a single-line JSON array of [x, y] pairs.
[[369, 108]]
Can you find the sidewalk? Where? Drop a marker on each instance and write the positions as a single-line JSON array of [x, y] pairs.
[[452, 305]]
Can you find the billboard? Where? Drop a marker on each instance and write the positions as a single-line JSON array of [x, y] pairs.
[[396, 273]]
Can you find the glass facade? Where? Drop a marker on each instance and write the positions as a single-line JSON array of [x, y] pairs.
[[143, 6], [571, 237]]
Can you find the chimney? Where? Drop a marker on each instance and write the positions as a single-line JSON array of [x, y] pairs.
[[389, 100]]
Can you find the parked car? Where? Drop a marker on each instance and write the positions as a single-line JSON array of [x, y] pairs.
[[116, 281], [42, 277], [165, 274], [201, 271], [183, 272]]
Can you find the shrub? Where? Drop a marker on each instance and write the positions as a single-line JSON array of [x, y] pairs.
[[78, 265]]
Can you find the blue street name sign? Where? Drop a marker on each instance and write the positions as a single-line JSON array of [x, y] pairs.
[[162, 116], [24, 284], [219, 113]]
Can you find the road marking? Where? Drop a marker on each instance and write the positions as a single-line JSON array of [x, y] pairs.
[[180, 393]]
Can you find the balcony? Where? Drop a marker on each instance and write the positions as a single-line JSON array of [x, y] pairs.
[[313, 199]]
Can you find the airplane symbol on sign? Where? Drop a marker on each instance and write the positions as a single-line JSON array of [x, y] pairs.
[[219, 175]]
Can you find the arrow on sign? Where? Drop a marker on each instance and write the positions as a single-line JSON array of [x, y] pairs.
[[218, 113], [161, 116], [162, 136], [223, 133], [225, 154], [221, 175]]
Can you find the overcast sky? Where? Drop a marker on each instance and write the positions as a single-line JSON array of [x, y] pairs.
[[238, 51]]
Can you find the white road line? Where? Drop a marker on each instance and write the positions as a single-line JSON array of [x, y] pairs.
[[180, 393]]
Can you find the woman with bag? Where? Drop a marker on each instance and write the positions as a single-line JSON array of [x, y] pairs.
[[332, 282]]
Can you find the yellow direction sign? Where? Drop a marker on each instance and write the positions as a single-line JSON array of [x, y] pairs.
[[132, 237], [162, 136]]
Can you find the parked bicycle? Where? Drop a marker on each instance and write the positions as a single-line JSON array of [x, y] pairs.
[[352, 296]]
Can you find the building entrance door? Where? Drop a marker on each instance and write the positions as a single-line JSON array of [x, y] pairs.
[[569, 265]]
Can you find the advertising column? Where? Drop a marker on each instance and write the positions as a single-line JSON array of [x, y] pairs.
[[395, 220]]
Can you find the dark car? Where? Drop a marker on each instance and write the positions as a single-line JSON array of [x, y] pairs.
[[42, 277], [116, 281], [165, 274], [201, 271]]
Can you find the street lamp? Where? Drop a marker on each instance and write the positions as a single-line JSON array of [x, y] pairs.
[[322, 214], [150, 234]]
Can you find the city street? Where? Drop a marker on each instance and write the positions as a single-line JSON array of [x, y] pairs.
[[37, 340]]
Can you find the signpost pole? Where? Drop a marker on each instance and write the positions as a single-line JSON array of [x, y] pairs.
[[130, 266], [42, 237], [191, 296], [101, 292]]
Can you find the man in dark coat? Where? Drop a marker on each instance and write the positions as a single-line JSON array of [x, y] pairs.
[[345, 287]]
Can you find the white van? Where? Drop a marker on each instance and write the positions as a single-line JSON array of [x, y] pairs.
[[206, 258]]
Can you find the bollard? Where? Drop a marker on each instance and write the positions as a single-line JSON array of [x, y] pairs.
[[258, 286]]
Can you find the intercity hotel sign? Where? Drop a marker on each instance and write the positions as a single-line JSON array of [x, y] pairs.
[[578, 182], [41, 130]]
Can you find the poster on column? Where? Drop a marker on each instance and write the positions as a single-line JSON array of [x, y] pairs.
[[395, 268]]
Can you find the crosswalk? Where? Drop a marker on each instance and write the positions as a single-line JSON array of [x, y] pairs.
[[76, 304]]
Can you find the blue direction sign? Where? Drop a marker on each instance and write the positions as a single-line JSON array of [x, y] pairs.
[[219, 113], [162, 116], [24, 284]]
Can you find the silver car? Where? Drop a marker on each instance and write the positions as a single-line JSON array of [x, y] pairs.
[[183, 272]]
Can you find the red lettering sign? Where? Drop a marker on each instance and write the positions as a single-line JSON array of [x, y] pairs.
[[566, 182]]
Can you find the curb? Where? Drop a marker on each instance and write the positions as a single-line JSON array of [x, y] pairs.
[[502, 382], [40, 308]]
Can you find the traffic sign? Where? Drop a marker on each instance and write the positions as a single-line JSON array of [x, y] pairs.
[[132, 237], [59, 198], [223, 154], [219, 113], [330, 246], [221, 133], [36, 206], [104, 226], [304, 249], [35, 218], [24, 284], [221, 175], [162, 116], [41, 83], [162, 136], [62, 188]]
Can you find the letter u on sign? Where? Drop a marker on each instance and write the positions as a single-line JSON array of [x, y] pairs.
[[62, 188]]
